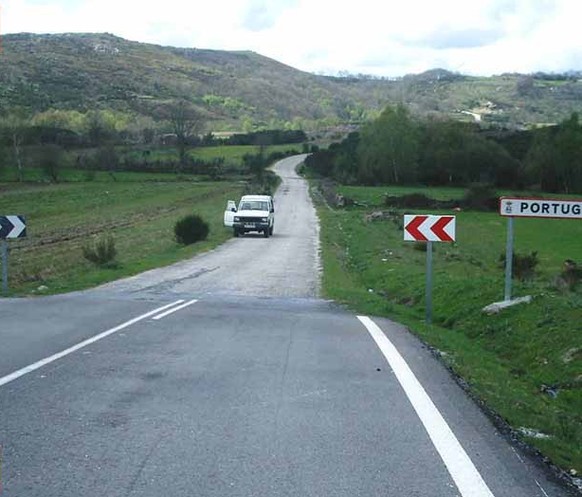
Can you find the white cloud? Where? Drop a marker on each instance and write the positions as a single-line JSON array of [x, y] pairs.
[[368, 36]]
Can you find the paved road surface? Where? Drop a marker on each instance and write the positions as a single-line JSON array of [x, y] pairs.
[[224, 376]]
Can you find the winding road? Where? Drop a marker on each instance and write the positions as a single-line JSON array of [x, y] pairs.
[[227, 375], [286, 265]]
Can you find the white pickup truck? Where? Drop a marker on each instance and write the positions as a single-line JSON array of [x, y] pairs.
[[254, 213]]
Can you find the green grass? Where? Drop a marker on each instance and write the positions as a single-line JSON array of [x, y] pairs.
[[232, 154], [374, 195], [140, 215], [507, 358], [9, 175]]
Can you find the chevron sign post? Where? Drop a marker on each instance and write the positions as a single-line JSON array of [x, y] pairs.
[[428, 228], [10, 227]]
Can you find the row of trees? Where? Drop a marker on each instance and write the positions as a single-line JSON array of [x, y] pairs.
[[399, 149], [42, 139], [55, 140], [95, 127]]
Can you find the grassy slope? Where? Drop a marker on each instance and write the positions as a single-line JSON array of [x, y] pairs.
[[506, 359], [139, 214]]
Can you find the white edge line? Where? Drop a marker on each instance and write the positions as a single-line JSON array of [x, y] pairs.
[[542, 488], [47, 360], [460, 467], [174, 309]]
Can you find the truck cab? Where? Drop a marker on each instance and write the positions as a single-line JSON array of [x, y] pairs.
[[254, 213]]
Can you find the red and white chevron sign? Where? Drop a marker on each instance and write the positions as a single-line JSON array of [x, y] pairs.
[[428, 228]]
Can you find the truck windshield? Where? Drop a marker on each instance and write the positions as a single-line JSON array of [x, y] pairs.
[[254, 205]]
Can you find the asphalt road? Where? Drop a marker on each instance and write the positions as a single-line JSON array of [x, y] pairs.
[[227, 376]]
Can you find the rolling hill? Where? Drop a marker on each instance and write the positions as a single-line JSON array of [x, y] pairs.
[[102, 71]]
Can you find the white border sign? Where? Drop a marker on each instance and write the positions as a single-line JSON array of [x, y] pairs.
[[540, 207], [429, 228]]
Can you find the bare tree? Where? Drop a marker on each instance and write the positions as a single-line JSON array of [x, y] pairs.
[[186, 122], [14, 126]]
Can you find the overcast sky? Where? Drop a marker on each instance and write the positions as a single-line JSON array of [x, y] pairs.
[[379, 37]]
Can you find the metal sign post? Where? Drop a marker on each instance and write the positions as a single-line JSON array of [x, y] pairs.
[[10, 227], [4, 265], [428, 313], [429, 228], [509, 259]]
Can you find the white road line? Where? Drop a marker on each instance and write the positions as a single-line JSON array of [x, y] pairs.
[[461, 468], [541, 488], [164, 314], [47, 360]]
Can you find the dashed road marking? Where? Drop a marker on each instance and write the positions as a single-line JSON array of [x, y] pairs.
[[174, 309], [47, 360]]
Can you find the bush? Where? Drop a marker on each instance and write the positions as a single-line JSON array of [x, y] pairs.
[[409, 201], [481, 198], [191, 229], [523, 265], [266, 186], [52, 159], [570, 277], [101, 251]]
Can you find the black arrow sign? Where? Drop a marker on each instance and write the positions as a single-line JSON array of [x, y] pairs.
[[12, 227]]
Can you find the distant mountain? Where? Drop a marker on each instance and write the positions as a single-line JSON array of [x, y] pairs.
[[88, 71]]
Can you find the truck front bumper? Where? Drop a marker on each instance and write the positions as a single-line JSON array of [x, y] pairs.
[[241, 226]]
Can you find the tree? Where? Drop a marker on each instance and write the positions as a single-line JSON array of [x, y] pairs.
[[456, 153], [3, 154], [346, 160], [51, 159], [540, 165], [186, 122], [14, 130], [99, 129], [555, 158], [568, 145], [389, 148]]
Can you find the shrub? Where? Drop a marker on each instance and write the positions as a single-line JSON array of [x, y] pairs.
[[101, 251], [190, 229], [570, 277], [409, 201], [52, 160], [481, 197], [266, 186], [523, 265]]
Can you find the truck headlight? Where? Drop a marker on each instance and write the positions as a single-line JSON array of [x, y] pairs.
[[264, 219], [236, 219]]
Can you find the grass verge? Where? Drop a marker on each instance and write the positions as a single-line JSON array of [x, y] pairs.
[[525, 363]]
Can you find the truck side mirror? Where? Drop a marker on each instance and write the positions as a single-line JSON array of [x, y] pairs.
[[233, 209]]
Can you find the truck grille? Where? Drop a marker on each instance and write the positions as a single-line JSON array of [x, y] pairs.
[[247, 219]]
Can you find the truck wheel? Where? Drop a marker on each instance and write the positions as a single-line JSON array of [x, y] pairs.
[[266, 233], [235, 233], [271, 230]]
